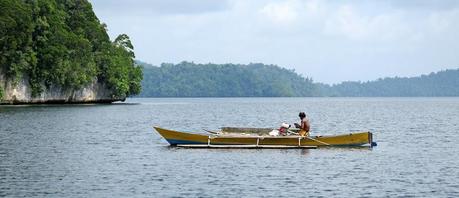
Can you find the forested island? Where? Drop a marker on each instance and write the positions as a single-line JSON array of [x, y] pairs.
[[435, 84], [188, 79], [59, 51]]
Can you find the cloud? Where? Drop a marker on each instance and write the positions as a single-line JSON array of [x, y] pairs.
[[160, 7], [281, 12], [348, 22], [440, 22], [427, 5]]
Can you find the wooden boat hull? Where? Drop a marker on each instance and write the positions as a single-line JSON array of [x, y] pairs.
[[175, 138]]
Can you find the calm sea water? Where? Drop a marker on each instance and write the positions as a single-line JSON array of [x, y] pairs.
[[113, 151]]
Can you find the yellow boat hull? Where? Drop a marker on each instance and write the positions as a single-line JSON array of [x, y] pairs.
[[351, 139]]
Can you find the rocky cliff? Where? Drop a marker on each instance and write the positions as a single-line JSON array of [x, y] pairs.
[[20, 93]]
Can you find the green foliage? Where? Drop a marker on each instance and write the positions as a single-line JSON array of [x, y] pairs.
[[61, 42], [228, 80], [1, 93], [15, 37], [124, 80]]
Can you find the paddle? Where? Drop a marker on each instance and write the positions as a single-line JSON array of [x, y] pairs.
[[317, 141], [324, 143], [212, 132]]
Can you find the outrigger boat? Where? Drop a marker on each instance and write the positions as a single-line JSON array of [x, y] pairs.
[[231, 137]]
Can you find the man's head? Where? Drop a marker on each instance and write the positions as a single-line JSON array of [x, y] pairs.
[[302, 115]]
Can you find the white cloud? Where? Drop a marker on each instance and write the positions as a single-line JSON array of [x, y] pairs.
[[313, 7], [350, 23], [439, 22], [281, 12]]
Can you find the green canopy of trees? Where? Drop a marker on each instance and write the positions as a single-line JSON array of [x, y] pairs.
[[62, 42], [188, 79]]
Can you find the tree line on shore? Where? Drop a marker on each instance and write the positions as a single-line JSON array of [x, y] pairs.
[[188, 79]]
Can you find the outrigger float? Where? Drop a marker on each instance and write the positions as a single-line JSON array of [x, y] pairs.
[[232, 137]]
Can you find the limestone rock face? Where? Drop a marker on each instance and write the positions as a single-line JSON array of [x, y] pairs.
[[20, 92]]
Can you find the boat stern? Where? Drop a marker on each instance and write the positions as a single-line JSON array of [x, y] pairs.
[[370, 140]]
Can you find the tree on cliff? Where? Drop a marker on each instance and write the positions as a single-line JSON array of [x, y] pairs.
[[62, 43]]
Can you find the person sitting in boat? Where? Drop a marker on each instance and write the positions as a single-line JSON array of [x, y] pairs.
[[304, 126]]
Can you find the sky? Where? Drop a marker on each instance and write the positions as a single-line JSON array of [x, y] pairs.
[[328, 41]]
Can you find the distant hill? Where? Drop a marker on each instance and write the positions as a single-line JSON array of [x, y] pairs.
[[188, 79], [442, 83]]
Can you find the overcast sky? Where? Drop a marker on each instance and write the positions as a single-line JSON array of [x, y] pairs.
[[330, 41]]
